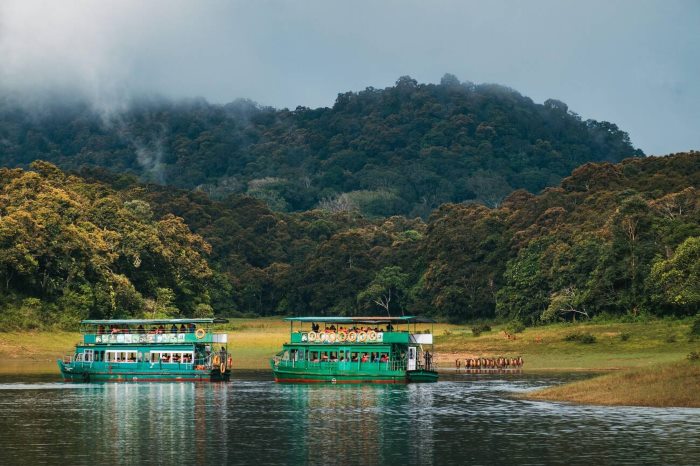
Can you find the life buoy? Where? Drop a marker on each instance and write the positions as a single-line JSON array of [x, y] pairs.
[[372, 335], [342, 336], [352, 336], [312, 336], [200, 333], [222, 368], [216, 360], [324, 337], [332, 337], [362, 336]]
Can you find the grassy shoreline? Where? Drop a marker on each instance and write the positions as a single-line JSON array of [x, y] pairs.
[[651, 346], [673, 385]]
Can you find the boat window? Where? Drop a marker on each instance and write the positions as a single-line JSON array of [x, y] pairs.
[[300, 355], [171, 357], [120, 356], [285, 357], [354, 356], [313, 356]]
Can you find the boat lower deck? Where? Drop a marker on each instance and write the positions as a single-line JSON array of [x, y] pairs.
[[331, 373]]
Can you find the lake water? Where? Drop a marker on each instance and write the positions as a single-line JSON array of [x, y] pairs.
[[464, 419]]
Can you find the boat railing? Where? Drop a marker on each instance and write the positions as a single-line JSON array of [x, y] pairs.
[[430, 366], [201, 335]]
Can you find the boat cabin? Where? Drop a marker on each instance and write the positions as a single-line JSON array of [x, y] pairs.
[[356, 348]]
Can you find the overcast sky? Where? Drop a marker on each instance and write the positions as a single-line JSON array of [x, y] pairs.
[[635, 63]]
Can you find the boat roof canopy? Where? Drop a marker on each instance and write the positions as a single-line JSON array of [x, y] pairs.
[[153, 321], [364, 320]]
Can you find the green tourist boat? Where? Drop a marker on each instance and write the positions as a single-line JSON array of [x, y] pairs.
[[356, 350], [149, 350]]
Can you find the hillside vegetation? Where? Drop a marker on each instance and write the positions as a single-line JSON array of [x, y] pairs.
[[403, 150], [618, 239]]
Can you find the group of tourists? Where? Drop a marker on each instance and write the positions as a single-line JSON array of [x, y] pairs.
[[340, 329], [159, 330], [354, 357]]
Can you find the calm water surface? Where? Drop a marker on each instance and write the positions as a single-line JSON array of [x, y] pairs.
[[464, 419]]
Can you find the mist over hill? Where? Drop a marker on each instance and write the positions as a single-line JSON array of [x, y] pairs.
[[403, 150]]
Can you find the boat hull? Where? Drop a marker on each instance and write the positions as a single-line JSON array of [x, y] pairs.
[[288, 375], [87, 374]]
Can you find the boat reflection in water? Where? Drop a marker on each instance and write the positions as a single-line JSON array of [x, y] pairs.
[[360, 423]]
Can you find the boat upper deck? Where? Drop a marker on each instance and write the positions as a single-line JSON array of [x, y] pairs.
[[151, 331], [360, 330]]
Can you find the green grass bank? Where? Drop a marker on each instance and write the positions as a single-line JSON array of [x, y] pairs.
[[617, 345], [676, 384]]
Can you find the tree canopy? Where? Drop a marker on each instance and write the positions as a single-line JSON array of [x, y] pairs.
[[402, 150]]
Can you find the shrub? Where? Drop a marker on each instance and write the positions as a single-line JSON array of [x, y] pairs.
[[693, 356], [581, 337], [695, 327], [515, 326], [671, 339], [480, 328], [624, 336]]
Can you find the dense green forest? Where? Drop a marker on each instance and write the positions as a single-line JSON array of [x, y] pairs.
[[620, 239], [403, 150]]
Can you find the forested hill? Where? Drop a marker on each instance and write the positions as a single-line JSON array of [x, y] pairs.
[[402, 150], [612, 238]]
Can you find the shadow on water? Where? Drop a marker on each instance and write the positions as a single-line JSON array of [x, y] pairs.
[[464, 419]]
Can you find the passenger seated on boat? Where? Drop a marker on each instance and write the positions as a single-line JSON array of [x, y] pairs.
[[334, 358], [354, 357], [161, 329], [324, 357], [173, 329], [332, 328], [314, 327], [192, 327], [384, 358], [389, 327], [140, 329], [183, 329], [365, 358], [100, 329]]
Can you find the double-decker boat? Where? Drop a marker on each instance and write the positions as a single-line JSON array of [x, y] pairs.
[[356, 350], [149, 350]]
